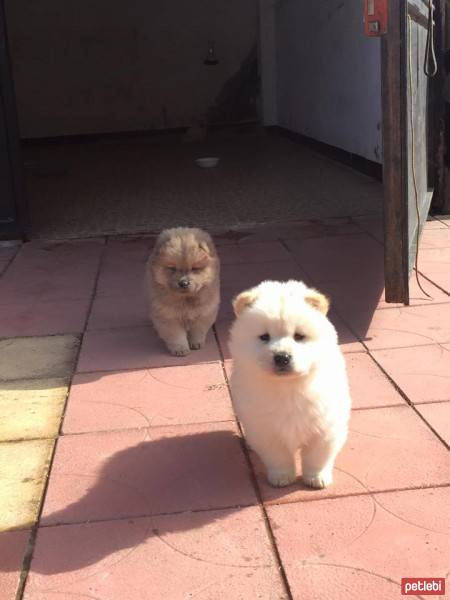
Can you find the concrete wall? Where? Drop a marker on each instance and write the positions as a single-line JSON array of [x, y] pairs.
[[328, 74], [105, 65]]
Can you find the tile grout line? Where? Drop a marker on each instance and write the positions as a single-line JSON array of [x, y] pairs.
[[369, 233], [284, 243], [11, 260], [253, 479], [122, 370], [26, 563], [389, 378], [367, 492], [195, 424], [140, 516], [431, 402], [88, 314], [270, 503], [396, 386], [427, 278], [410, 403]]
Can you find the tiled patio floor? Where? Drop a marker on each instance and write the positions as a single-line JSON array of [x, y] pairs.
[[139, 486]]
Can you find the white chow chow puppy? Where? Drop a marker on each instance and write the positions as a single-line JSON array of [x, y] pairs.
[[289, 382]]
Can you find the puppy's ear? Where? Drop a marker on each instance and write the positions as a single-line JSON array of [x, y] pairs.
[[244, 300], [317, 300], [205, 247], [160, 245]]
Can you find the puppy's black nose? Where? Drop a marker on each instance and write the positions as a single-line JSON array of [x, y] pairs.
[[282, 359], [183, 283]]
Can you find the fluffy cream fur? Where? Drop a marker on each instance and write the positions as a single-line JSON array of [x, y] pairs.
[[304, 404]]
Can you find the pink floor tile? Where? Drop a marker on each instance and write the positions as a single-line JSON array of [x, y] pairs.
[[147, 472], [401, 327], [8, 250], [371, 225], [362, 547], [123, 267], [242, 276], [109, 312], [222, 331], [322, 228], [43, 318], [433, 223], [3, 265], [435, 238], [422, 373], [228, 366], [353, 298], [209, 555], [226, 307], [13, 546], [444, 219], [341, 258], [435, 264], [135, 348], [129, 247], [290, 231], [231, 237], [369, 386], [7, 254], [347, 340], [52, 271], [376, 457], [154, 397], [253, 252], [438, 416]]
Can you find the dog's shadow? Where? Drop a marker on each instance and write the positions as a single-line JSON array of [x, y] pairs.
[[155, 488]]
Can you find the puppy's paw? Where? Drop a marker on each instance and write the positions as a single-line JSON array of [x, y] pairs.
[[281, 477], [318, 481], [178, 350], [196, 344]]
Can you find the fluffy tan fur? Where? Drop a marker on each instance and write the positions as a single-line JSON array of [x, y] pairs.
[[183, 282]]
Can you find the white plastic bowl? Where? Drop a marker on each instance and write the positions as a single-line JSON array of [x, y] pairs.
[[207, 162]]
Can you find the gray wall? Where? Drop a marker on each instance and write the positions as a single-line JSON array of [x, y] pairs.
[[105, 65], [328, 74]]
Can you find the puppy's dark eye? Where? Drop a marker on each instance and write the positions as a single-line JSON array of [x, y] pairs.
[[197, 269], [265, 337], [171, 269], [299, 337]]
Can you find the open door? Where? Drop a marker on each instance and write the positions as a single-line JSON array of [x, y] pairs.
[[13, 209], [406, 138]]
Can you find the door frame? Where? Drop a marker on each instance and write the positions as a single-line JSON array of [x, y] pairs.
[[441, 157], [18, 224], [399, 249], [393, 96]]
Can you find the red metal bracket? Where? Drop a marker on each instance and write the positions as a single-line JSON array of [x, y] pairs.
[[375, 17]]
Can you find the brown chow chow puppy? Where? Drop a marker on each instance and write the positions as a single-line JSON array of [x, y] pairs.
[[183, 288]]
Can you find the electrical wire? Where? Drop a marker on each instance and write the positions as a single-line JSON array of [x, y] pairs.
[[430, 63], [413, 154]]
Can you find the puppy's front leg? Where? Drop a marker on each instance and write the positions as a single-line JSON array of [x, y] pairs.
[[279, 463], [198, 330], [318, 461], [174, 335]]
